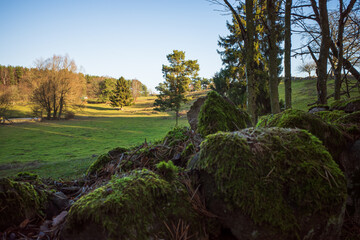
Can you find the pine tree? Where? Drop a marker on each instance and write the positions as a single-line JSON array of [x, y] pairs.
[[177, 76], [121, 95]]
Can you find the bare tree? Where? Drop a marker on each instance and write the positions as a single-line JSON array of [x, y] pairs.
[[57, 85], [307, 68]]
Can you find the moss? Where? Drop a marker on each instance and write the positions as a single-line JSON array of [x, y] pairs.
[[18, 201], [188, 151], [177, 135], [167, 170], [217, 114], [342, 103], [98, 164], [329, 134], [104, 159], [330, 116], [350, 118], [276, 176], [133, 207]]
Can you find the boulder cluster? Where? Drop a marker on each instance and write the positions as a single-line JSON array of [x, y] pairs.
[[292, 175]]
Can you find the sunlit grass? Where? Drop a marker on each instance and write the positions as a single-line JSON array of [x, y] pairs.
[[65, 148]]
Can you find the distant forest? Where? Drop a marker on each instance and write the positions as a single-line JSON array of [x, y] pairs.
[[21, 82]]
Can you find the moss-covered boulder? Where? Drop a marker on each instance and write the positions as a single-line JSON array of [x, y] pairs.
[[19, 201], [348, 105], [272, 183], [329, 134], [218, 114], [330, 116], [140, 205], [104, 159]]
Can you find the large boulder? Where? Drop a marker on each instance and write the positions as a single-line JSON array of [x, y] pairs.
[[139, 205], [193, 113], [331, 136], [272, 183], [218, 114], [19, 201]]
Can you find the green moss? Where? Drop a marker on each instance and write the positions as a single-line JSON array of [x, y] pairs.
[[167, 170], [188, 151], [177, 135], [350, 118], [276, 176], [217, 114], [330, 116], [133, 207], [18, 201], [98, 164], [342, 103], [329, 134]]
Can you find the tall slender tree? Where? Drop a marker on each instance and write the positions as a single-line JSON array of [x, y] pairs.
[[287, 55]]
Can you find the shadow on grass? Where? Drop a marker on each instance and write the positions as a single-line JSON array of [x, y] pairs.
[[100, 108]]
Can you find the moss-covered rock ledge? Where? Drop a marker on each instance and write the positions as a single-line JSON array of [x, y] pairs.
[[272, 183], [139, 205]]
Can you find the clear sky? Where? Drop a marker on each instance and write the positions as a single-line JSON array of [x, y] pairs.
[[112, 37]]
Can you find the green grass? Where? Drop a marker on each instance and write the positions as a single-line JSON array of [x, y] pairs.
[[65, 149], [304, 92]]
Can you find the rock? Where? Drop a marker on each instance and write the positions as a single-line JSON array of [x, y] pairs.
[[193, 113], [331, 136], [353, 176], [348, 105], [318, 109], [330, 116], [137, 207], [104, 159], [272, 183], [58, 202], [218, 114], [19, 201]]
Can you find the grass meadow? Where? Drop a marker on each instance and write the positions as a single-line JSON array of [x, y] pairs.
[[65, 148]]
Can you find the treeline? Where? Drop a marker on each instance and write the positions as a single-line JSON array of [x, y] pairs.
[[20, 81], [55, 86]]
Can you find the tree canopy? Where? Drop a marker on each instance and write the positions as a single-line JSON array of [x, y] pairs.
[[178, 75]]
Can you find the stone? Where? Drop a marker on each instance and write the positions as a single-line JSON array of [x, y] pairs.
[[134, 206], [193, 113], [271, 183], [218, 114]]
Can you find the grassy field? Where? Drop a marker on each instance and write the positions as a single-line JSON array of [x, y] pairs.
[[304, 92], [64, 149]]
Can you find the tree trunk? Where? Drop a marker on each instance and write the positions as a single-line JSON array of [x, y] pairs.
[[287, 57], [324, 53], [177, 118], [273, 81], [250, 73]]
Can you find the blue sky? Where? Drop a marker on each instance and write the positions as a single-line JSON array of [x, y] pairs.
[[112, 38]]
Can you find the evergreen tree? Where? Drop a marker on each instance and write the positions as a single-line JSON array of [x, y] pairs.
[[177, 76], [121, 95]]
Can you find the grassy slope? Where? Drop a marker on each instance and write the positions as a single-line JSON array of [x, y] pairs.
[[304, 92], [66, 148]]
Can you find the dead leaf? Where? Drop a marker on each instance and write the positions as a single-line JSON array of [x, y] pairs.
[[24, 223]]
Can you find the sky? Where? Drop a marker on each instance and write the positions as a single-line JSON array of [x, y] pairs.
[[112, 37]]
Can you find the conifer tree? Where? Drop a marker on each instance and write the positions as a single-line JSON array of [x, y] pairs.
[[177, 76], [121, 95]]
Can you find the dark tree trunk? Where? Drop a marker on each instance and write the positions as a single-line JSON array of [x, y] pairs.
[[287, 57], [324, 50], [274, 81]]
